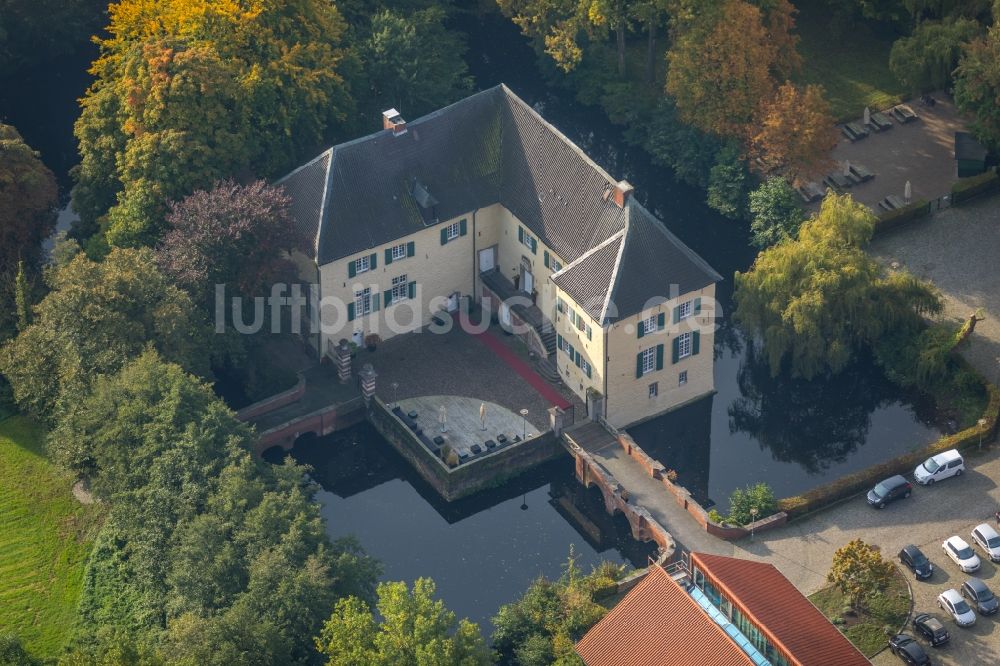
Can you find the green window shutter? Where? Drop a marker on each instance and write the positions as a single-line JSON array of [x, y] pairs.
[[676, 350], [659, 357], [546, 259], [462, 228], [590, 332], [520, 234], [411, 290], [388, 256], [387, 297], [589, 370], [661, 321], [411, 249], [444, 235], [352, 269], [376, 297], [374, 260], [558, 341], [697, 305], [638, 365], [350, 312], [534, 246], [695, 342], [677, 314], [641, 330]]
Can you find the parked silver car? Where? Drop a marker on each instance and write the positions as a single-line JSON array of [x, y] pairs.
[[987, 538]]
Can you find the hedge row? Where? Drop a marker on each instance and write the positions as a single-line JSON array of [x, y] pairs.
[[863, 480], [967, 188], [894, 218]]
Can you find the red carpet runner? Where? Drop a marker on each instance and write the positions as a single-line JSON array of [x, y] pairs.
[[546, 390]]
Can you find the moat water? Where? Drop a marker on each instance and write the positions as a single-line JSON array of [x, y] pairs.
[[485, 550]]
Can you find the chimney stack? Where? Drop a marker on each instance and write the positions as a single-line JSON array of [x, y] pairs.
[[391, 120], [623, 190]]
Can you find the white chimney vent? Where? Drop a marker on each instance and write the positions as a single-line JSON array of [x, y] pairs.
[[392, 120]]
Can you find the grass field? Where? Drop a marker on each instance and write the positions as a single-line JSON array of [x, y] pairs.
[[853, 66], [45, 537]]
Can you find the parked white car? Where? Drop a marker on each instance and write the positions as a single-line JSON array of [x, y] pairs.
[[988, 540], [941, 466], [952, 603], [961, 554]]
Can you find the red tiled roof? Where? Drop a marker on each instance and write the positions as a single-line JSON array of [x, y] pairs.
[[658, 624], [781, 611]]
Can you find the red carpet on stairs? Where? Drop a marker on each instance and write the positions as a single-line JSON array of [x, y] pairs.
[[546, 390]]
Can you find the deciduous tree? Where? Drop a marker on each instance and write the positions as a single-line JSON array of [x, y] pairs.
[[776, 212], [860, 571], [413, 628], [926, 59], [795, 133], [720, 69], [816, 299], [977, 85]]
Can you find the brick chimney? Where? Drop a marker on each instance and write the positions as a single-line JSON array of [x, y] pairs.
[[623, 190], [391, 120]]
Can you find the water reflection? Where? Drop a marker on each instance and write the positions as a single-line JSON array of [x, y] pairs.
[[482, 551]]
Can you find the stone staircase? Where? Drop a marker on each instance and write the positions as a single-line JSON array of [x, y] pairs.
[[547, 369], [548, 337]]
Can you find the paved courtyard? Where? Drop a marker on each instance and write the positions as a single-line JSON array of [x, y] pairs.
[[922, 152], [958, 250]]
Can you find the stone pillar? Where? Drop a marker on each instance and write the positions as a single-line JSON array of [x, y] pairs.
[[595, 405], [342, 354], [367, 376], [557, 420]]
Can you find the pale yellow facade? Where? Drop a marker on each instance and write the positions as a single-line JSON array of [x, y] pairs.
[[443, 272], [629, 397]]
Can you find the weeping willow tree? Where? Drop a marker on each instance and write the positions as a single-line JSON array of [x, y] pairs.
[[815, 300]]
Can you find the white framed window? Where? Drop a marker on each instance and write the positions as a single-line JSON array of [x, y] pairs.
[[654, 389], [648, 360], [648, 325], [362, 264], [581, 325], [683, 345], [399, 252], [453, 231], [684, 310], [362, 302], [400, 289], [585, 366], [560, 305], [555, 265], [565, 346], [528, 240], [682, 378], [589, 331]]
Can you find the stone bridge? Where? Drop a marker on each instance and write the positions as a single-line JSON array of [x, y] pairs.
[[590, 472]]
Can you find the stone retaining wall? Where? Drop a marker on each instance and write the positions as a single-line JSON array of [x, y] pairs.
[[321, 422], [274, 402], [483, 472]]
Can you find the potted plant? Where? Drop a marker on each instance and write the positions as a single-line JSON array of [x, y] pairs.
[[371, 341]]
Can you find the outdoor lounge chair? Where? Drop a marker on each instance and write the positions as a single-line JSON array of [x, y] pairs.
[[904, 114], [880, 122], [838, 180], [857, 129], [895, 201], [861, 172]]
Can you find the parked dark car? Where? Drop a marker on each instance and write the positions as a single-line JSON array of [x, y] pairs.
[[909, 650], [931, 628], [918, 563], [893, 488], [980, 597]]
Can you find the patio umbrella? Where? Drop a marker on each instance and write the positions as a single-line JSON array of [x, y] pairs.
[[907, 191], [482, 414], [868, 115], [443, 418]]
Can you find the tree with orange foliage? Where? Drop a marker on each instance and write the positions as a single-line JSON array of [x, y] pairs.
[[795, 133], [720, 69]]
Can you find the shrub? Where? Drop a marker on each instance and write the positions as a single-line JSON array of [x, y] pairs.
[[742, 501], [716, 517], [967, 188]]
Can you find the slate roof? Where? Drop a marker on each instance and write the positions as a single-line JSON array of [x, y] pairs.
[[659, 624], [490, 148], [784, 614]]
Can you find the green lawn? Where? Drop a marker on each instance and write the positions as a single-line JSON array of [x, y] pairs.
[[852, 66], [45, 538], [867, 630]]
